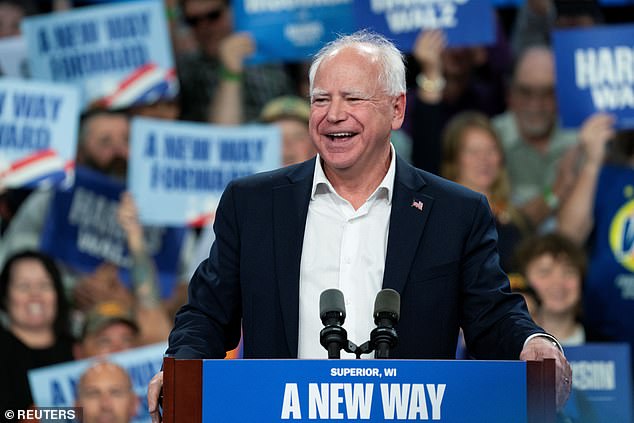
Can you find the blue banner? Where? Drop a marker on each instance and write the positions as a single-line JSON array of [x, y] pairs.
[[464, 22], [38, 131], [595, 73], [291, 30], [601, 383], [82, 231], [375, 391], [56, 386], [120, 54], [178, 170]]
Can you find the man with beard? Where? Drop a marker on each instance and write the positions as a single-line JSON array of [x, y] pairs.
[[103, 142], [102, 146], [540, 171]]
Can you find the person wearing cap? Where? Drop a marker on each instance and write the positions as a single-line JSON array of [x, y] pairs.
[[290, 114], [109, 327]]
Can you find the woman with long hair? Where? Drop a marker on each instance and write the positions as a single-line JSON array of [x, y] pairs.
[[36, 332]]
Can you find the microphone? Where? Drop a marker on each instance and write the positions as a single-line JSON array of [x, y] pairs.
[[332, 311], [387, 307]]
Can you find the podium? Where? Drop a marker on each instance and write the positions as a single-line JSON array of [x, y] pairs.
[[365, 390]]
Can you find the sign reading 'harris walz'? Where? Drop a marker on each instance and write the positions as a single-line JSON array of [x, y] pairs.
[[595, 73], [309, 390]]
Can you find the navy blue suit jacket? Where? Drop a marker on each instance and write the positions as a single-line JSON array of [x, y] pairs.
[[441, 259]]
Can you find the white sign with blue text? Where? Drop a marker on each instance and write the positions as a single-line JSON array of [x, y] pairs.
[[56, 386], [179, 170], [119, 53], [595, 73], [38, 130]]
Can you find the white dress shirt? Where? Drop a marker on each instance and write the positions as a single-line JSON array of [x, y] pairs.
[[344, 249]]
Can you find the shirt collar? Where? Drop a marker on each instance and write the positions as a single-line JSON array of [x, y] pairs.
[[322, 185]]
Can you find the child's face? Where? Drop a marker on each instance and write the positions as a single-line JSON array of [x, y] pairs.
[[556, 282]]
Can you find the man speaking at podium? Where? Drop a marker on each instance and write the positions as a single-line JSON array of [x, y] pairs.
[[357, 218]]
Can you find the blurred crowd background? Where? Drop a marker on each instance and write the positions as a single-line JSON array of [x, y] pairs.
[[483, 116]]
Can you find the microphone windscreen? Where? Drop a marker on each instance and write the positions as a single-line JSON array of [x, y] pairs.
[[387, 301], [331, 300]]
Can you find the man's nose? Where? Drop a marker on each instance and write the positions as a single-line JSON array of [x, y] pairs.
[[336, 110]]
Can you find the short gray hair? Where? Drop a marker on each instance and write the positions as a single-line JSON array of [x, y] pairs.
[[390, 59]]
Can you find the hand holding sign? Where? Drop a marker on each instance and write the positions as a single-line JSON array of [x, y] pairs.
[[595, 133], [234, 49], [428, 52]]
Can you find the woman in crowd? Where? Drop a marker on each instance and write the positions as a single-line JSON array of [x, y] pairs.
[[554, 267], [473, 157], [36, 332]]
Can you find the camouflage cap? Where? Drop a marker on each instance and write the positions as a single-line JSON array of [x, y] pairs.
[[106, 313], [290, 107]]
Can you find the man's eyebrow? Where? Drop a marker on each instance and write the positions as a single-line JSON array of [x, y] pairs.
[[318, 91], [356, 93]]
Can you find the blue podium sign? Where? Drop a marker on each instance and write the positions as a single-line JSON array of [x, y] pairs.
[[368, 390]]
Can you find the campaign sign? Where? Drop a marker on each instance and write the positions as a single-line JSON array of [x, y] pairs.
[[464, 22], [13, 57], [375, 391], [56, 386], [291, 30], [595, 73], [601, 383], [119, 53], [38, 131], [82, 231], [178, 170]]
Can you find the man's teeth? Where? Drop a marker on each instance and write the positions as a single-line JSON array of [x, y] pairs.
[[341, 134]]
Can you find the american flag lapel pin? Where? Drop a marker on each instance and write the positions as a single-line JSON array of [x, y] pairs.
[[417, 204]]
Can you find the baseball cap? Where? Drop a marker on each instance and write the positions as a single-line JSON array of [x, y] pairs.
[[106, 313], [290, 107]]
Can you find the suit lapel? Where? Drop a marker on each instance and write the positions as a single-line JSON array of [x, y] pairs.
[[410, 210], [290, 208]]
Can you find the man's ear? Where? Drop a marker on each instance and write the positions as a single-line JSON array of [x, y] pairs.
[[398, 110]]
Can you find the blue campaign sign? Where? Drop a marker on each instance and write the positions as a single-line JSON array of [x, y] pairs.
[[56, 386], [38, 131], [601, 383], [291, 30], [464, 22], [119, 53], [375, 391], [82, 231], [594, 73], [178, 170]]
